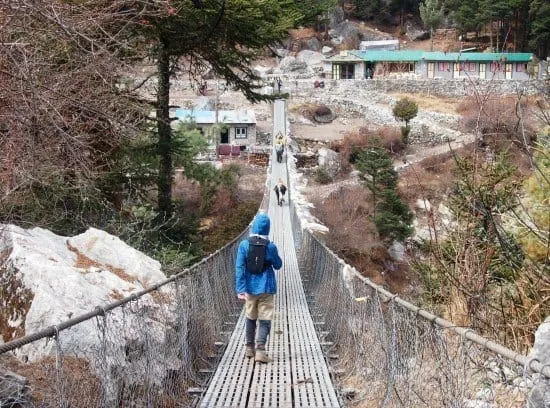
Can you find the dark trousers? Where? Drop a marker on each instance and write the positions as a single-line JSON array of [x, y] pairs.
[[263, 332]]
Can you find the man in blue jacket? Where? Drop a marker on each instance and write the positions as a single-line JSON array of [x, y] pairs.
[[258, 289]]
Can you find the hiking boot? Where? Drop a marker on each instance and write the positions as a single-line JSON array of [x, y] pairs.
[[249, 351], [262, 357]]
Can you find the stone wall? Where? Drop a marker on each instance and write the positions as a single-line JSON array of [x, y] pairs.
[[437, 87]]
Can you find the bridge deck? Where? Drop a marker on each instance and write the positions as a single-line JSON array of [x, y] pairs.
[[298, 376]]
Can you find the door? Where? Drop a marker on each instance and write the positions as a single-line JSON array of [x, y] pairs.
[[482, 70], [224, 136], [508, 69], [431, 69], [456, 70]]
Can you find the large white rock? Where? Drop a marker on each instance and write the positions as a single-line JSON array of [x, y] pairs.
[[540, 395], [330, 160], [311, 58], [67, 277]]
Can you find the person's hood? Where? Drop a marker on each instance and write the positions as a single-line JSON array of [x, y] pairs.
[[261, 224]]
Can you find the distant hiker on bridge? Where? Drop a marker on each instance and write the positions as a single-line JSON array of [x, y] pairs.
[[279, 147], [280, 190], [255, 282]]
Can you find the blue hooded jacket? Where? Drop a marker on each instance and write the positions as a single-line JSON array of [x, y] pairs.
[[265, 282]]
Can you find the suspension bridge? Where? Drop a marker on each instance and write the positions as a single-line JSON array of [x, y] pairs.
[[337, 340]]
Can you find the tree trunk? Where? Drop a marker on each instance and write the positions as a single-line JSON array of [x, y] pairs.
[[165, 176]]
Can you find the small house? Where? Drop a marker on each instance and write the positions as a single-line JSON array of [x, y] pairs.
[[424, 64], [345, 65], [237, 127]]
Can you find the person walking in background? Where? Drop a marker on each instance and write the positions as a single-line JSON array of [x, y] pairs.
[[279, 152], [255, 282], [279, 146], [280, 190]]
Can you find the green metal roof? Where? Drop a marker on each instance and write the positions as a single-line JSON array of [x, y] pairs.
[[478, 56], [418, 55]]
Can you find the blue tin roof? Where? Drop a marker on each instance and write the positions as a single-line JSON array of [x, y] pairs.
[[209, 117]]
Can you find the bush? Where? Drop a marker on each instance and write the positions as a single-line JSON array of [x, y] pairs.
[[391, 139], [496, 120], [405, 109], [385, 136], [321, 175]]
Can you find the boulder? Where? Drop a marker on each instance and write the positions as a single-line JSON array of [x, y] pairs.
[[262, 71], [323, 114], [329, 160], [396, 251], [54, 278], [337, 16], [423, 205], [310, 58], [415, 32], [291, 65], [345, 32], [540, 394], [327, 51], [14, 390], [313, 44]]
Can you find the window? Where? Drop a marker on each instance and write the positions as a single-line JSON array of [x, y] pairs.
[[443, 66], [468, 66], [521, 67], [240, 133], [495, 66], [335, 71], [347, 71], [343, 71]]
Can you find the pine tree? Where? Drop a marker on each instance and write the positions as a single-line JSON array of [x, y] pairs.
[[222, 36], [431, 16], [394, 217], [391, 216], [405, 109], [377, 171]]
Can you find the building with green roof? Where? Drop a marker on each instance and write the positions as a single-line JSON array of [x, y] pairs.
[[429, 64]]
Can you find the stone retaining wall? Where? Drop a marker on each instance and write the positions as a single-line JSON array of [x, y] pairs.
[[437, 87]]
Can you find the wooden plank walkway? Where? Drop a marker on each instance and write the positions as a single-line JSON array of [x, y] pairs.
[[298, 376]]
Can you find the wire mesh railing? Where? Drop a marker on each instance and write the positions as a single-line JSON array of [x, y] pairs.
[[394, 354], [151, 349], [144, 350]]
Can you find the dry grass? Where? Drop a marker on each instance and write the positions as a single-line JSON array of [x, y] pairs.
[[431, 179], [354, 141], [81, 386], [121, 273], [83, 262], [346, 212], [497, 120], [116, 294], [433, 103]]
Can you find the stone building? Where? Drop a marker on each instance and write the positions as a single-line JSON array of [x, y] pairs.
[[423, 64]]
